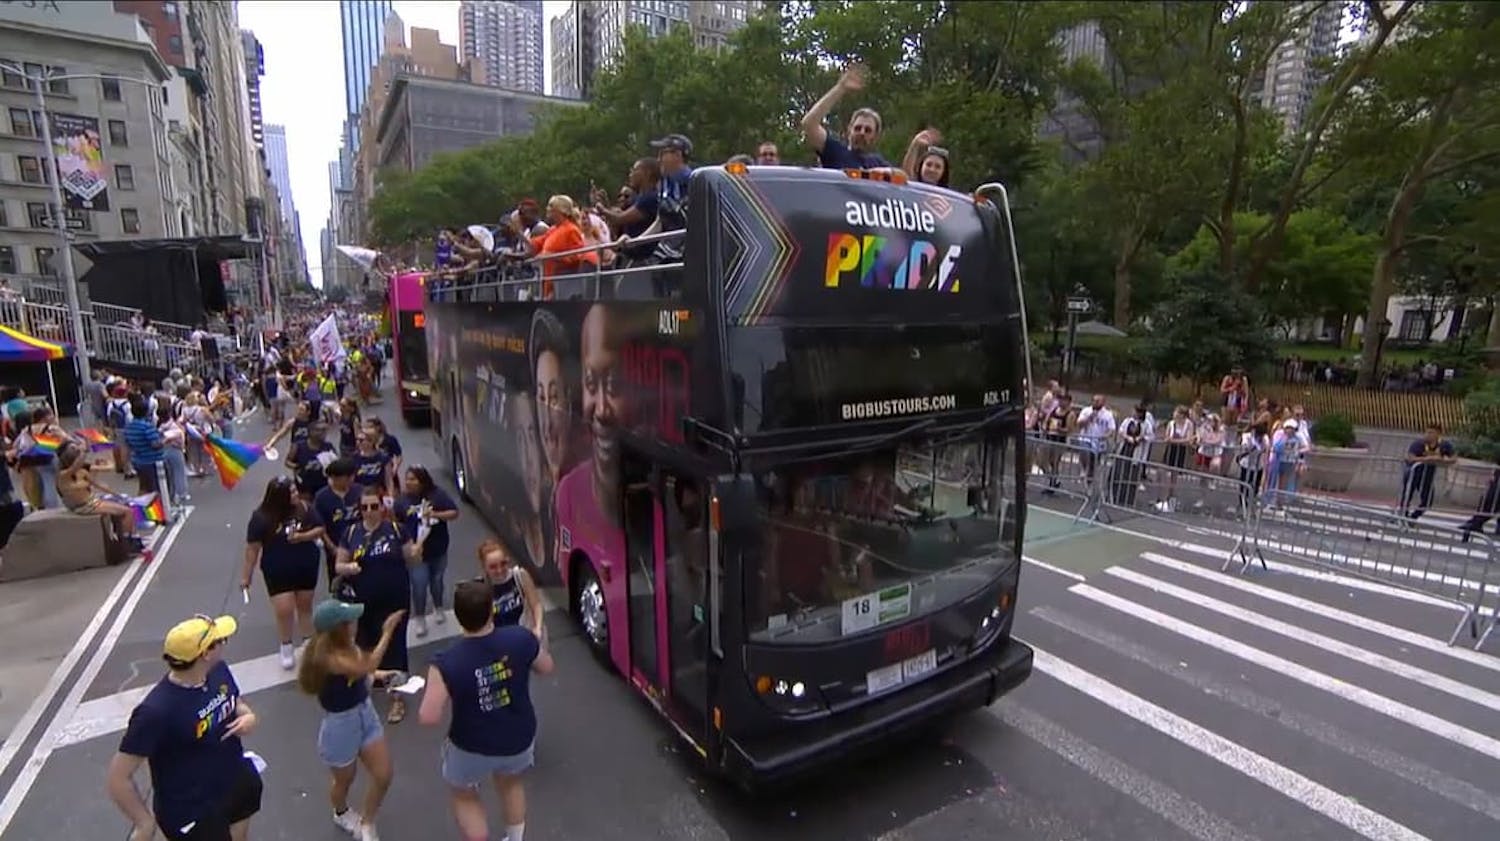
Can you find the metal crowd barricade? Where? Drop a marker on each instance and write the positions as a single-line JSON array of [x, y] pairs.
[[1457, 489], [1068, 469], [1196, 500], [522, 280], [1382, 546]]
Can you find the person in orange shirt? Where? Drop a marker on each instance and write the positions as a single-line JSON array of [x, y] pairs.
[[565, 237]]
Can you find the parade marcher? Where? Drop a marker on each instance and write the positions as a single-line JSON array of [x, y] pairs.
[[492, 733], [387, 443], [308, 460], [187, 730], [339, 674], [372, 466], [513, 593], [349, 426], [338, 507], [302, 419], [373, 559], [424, 505], [283, 537]]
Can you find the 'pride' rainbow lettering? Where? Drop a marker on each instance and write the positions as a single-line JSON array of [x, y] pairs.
[[886, 262]]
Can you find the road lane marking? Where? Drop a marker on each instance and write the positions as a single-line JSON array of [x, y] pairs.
[[1154, 796], [1313, 795], [1401, 635], [1417, 773], [33, 715], [110, 713], [1458, 734], [1456, 688], [26, 778], [1324, 575], [1051, 568]]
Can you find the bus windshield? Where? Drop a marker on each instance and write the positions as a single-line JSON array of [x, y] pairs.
[[851, 544], [411, 346]]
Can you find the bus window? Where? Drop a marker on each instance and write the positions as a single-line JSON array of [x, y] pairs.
[[874, 538], [687, 595]]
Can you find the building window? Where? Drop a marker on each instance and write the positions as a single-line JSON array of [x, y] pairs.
[[11, 79], [110, 88], [130, 220], [21, 124], [33, 170], [36, 214], [124, 177], [169, 9], [174, 44], [44, 262], [117, 134], [7, 260], [57, 86]]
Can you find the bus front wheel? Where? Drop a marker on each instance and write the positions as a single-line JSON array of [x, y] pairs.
[[460, 472], [589, 610]]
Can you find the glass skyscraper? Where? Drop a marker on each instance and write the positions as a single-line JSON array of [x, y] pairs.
[[361, 23]]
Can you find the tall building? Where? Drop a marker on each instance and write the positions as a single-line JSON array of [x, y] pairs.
[[506, 38], [123, 108], [1296, 72], [255, 68], [279, 165], [591, 33], [1068, 123], [361, 23]]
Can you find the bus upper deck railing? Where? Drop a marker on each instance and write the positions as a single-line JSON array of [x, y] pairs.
[[526, 279], [1455, 565]]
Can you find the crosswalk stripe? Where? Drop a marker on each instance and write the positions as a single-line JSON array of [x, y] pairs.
[[1153, 795], [1443, 728], [1363, 623], [1315, 796], [1441, 683], [1417, 773]]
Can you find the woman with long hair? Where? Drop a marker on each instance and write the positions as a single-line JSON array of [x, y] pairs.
[[423, 505], [926, 162], [38, 466], [387, 443], [514, 594], [339, 673], [349, 426], [372, 559], [372, 466], [283, 539]]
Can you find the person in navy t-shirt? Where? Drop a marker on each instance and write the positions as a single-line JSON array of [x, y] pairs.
[[864, 128], [337, 506], [372, 559], [308, 458], [427, 576], [487, 677], [187, 730]]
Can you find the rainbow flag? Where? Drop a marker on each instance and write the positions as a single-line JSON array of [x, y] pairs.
[[97, 439], [232, 459], [45, 445], [148, 509]]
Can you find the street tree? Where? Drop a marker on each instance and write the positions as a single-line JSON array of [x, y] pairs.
[[1428, 112], [1207, 327]]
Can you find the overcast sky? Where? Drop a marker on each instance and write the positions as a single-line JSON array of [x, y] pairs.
[[303, 88]]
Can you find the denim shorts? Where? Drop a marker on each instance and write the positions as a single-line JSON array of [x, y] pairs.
[[462, 769], [342, 735]]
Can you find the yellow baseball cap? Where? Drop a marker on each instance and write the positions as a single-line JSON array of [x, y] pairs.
[[189, 639]]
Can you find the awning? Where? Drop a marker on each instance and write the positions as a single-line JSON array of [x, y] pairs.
[[214, 248], [16, 346]]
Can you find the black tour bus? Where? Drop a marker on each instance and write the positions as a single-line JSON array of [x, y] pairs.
[[781, 479]]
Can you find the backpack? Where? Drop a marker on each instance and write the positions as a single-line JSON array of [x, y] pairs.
[[118, 413]]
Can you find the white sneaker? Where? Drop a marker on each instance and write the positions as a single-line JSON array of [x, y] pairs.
[[367, 833], [421, 625], [288, 656], [440, 616], [349, 822]]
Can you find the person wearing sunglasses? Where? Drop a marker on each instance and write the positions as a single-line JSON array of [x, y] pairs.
[[372, 560], [187, 731], [513, 593], [925, 161], [372, 466]]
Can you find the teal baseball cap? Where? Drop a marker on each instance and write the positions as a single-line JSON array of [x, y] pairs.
[[332, 613]]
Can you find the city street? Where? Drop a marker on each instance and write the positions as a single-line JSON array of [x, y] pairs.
[[1169, 701]]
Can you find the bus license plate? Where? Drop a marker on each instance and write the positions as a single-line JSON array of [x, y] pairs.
[[889, 677]]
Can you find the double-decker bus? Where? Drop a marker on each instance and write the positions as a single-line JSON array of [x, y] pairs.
[[406, 299], [780, 480]]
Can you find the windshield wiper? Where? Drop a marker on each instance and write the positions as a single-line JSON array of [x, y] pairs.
[[980, 425]]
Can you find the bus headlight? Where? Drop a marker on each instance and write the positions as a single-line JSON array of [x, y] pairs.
[[789, 697], [412, 394]]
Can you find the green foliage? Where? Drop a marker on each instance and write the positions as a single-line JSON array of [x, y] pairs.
[[1333, 431], [1207, 327], [1482, 429]]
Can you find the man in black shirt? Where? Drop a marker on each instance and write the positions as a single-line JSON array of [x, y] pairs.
[[864, 128]]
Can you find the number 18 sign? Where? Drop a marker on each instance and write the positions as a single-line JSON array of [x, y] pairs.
[[862, 613]]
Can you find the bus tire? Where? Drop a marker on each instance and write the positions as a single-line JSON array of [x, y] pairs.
[[460, 471], [589, 609]]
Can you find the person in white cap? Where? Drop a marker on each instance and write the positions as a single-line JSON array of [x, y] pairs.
[[187, 730]]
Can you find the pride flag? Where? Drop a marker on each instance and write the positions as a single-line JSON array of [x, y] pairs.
[[232, 459], [97, 440], [45, 445], [148, 509]]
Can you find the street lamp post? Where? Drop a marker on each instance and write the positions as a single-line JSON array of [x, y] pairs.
[[57, 211]]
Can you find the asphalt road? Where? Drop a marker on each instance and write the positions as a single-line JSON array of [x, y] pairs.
[[1170, 701]]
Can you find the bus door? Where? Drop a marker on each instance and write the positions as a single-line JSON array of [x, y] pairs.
[[637, 481], [686, 605]]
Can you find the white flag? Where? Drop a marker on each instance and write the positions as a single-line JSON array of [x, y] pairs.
[[326, 345]]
